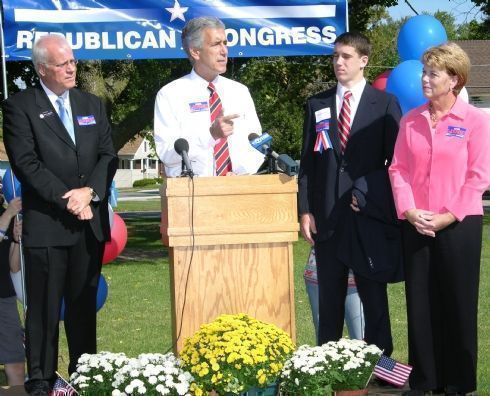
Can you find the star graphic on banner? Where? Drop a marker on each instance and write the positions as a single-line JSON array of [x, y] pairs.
[[177, 11]]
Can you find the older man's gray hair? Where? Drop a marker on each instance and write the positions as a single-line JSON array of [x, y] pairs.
[[39, 50], [192, 32]]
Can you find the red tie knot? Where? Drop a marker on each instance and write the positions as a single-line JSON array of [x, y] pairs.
[[347, 95], [211, 88]]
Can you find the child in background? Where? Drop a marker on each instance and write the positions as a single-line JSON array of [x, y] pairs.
[[354, 317]]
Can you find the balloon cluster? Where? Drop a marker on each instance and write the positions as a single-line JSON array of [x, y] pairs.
[[416, 35]]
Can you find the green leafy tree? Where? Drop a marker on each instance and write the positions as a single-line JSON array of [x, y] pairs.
[[382, 32], [483, 29]]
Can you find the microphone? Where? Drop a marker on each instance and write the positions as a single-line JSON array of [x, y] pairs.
[[181, 146], [262, 143], [283, 161]]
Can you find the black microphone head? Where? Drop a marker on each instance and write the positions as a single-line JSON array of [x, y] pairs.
[[252, 136], [181, 145]]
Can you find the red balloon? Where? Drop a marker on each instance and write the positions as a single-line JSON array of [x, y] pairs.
[[380, 81], [119, 237]]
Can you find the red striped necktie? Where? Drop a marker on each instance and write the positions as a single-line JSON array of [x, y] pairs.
[[222, 158], [344, 121]]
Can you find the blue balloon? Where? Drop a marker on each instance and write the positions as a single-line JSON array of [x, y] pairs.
[[418, 34], [11, 191], [102, 292], [405, 82]]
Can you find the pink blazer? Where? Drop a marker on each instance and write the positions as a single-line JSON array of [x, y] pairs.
[[445, 169]]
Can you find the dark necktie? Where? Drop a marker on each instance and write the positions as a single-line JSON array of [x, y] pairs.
[[222, 159], [344, 121]]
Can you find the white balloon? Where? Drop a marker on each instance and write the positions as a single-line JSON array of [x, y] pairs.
[[111, 216], [463, 94], [17, 282]]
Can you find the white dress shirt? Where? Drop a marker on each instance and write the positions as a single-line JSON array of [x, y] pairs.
[[182, 111], [357, 91], [53, 97]]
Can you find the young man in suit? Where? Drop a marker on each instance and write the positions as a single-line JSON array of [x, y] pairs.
[[349, 132], [59, 144]]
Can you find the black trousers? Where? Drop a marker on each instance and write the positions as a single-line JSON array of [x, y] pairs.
[[441, 280], [71, 272], [332, 289]]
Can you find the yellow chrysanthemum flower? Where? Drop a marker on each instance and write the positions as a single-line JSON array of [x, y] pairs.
[[234, 353]]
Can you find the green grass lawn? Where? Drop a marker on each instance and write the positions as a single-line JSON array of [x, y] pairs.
[[134, 206], [136, 315]]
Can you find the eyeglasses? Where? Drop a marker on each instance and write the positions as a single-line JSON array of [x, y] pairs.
[[71, 62]]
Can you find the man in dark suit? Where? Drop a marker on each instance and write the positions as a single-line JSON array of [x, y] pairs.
[[58, 141], [349, 132]]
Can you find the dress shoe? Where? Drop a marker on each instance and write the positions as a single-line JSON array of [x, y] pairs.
[[416, 392], [37, 388], [453, 391]]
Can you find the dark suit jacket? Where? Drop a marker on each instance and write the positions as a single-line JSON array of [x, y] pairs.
[[370, 241], [326, 179], [48, 164]]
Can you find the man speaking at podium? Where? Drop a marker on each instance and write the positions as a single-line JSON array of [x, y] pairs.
[[213, 113]]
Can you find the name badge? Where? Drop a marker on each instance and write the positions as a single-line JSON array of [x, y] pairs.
[[86, 120], [456, 131], [322, 114], [196, 107]]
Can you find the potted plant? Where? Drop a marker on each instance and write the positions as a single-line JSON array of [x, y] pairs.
[[115, 374], [95, 372], [337, 366], [152, 374], [235, 353]]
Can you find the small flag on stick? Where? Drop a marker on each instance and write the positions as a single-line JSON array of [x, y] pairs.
[[392, 371], [61, 387]]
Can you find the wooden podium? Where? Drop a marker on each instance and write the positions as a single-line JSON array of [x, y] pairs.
[[230, 247]]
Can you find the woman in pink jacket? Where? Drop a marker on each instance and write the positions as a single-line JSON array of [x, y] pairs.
[[440, 169]]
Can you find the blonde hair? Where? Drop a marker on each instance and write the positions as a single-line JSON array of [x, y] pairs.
[[451, 58]]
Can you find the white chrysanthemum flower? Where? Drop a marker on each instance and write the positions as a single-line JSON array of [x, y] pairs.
[[152, 380], [182, 388], [134, 373]]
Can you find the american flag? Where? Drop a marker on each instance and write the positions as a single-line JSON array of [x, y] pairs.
[[62, 388], [391, 371]]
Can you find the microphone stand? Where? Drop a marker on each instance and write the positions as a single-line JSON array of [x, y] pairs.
[[269, 165], [186, 172]]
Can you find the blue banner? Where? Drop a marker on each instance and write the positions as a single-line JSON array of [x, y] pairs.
[[151, 29]]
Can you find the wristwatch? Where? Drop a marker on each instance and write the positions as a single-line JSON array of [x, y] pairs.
[[93, 194]]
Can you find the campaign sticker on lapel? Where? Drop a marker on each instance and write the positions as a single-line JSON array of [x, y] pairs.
[[86, 120], [322, 114], [196, 107], [456, 131], [45, 114], [322, 140]]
